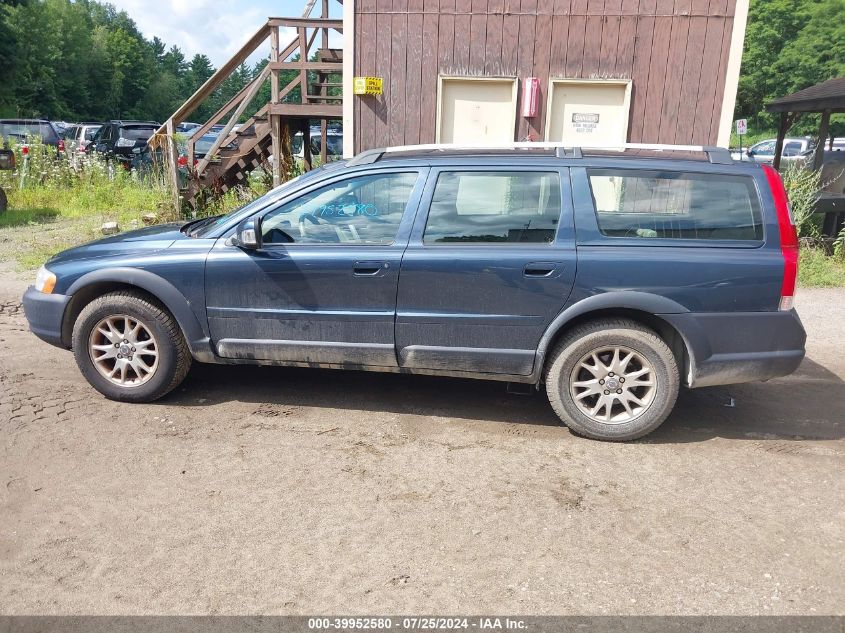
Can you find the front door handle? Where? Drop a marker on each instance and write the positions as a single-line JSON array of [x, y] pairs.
[[370, 269], [539, 269]]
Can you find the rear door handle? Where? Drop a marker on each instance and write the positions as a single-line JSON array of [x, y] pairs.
[[370, 269], [539, 269]]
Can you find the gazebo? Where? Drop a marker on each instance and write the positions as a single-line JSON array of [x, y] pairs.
[[826, 98]]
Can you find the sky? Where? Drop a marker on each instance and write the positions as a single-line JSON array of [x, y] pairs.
[[217, 28]]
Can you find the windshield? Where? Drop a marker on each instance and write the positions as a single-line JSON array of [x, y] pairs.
[[258, 203]]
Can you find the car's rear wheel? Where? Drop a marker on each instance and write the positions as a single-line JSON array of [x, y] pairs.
[[612, 379], [129, 348]]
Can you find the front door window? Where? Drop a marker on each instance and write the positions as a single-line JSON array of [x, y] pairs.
[[364, 210]]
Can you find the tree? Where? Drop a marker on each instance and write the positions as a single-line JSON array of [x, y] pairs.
[[789, 45]]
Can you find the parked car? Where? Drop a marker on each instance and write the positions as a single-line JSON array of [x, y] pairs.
[[764, 151], [143, 158], [117, 139], [60, 127], [334, 144], [187, 126], [79, 136], [201, 145], [25, 130], [608, 278]]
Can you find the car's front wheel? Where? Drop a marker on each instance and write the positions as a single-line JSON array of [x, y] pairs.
[[129, 348], [612, 379]]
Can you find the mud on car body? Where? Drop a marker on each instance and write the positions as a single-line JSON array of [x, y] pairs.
[[609, 279]]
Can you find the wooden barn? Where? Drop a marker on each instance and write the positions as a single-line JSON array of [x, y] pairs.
[[585, 72]]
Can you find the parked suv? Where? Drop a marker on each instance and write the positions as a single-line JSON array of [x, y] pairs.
[[609, 279], [117, 139], [25, 130], [79, 136]]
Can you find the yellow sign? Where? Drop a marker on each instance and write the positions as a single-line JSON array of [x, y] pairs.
[[367, 85]]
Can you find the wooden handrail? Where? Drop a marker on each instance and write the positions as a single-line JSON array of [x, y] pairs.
[[216, 79], [310, 23], [224, 134]]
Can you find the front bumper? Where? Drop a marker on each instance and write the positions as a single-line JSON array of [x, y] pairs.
[[727, 348], [45, 314]]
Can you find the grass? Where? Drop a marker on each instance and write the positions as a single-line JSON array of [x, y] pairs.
[[59, 206], [818, 270]]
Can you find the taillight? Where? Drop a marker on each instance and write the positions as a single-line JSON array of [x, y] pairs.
[[61, 145], [788, 238], [183, 161], [25, 150]]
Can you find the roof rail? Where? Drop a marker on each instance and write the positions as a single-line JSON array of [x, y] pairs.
[[716, 155]]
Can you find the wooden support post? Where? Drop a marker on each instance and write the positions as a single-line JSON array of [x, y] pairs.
[[173, 168], [818, 156], [783, 128], [286, 159], [275, 119], [303, 57], [324, 139], [324, 39], [306, 144]]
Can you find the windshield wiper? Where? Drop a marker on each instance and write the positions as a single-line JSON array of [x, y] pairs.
[[191, 228]]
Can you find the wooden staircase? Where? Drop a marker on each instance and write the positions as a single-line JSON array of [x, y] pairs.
[[265, 135]]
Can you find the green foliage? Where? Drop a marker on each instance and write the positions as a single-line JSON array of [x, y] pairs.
[[61, 205], [816, 269], [90, 187], [839, 245], [802, 187], [86, 61], [790, 45]]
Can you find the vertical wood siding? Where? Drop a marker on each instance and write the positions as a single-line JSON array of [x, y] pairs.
[[675, 52]]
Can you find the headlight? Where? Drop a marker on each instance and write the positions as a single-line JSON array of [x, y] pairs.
[[45, 281]]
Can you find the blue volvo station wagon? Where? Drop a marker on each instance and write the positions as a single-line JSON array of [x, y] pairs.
[[608, 278]]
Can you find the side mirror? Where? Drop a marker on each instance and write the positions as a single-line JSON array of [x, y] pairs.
[[749, 152], [248, 234]]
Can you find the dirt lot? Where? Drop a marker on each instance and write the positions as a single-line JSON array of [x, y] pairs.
[[297, 491]]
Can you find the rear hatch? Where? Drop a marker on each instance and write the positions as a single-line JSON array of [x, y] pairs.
[[132, 136]]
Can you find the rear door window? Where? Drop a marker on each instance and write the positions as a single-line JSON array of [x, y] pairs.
[[494, 207], [675, 205]]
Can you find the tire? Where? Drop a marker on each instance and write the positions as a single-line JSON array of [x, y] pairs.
[[4, 202], [102, 330], [574, 391]]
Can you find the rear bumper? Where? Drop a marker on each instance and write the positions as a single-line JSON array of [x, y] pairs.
[[727, 348], [45, 313]]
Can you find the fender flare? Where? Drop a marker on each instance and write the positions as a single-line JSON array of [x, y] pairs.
[[625, 299], [195, 334]]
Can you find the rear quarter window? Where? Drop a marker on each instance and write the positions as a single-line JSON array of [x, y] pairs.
[[675, 205]]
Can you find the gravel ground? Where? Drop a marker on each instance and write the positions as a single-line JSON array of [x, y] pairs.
[[265, 490]]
